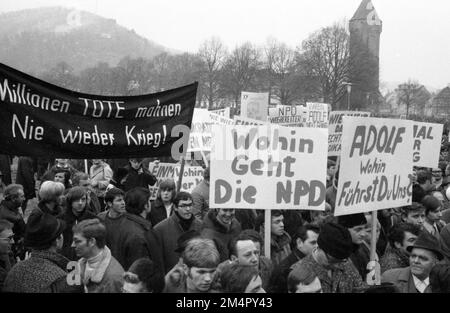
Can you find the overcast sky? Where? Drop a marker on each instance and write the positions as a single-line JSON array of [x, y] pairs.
[[415, 42]]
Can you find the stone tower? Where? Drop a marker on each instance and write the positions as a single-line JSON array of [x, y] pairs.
[[365, 30]]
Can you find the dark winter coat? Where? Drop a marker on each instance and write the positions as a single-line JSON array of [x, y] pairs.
[[167, 233], [135, 179], [402, 278], [278, 281], [71, 220], [280, 247], [200, 198], [158, 212], [133, 238], [43, 272], [214, 230]]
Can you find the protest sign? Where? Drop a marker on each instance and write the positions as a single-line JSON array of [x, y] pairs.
[[224, 112], [316, 115], [43, 120], [376, 165], [200, 136], [427, 144], [192, 176], [254, 105], [335, 129], [239, 120], [268, 167], [294, 116]]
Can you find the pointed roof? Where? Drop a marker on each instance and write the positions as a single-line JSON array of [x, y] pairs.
[[364, 10]]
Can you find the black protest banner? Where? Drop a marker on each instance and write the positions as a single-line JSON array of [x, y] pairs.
[[40, 119]]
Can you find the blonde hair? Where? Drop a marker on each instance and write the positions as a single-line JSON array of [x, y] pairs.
[[51, 190]]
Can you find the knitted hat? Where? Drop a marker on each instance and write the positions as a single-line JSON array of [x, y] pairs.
[[335, 240], [352, 220], [428, 242], [42, 229]]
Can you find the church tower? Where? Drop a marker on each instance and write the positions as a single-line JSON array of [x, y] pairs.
[[365, 30]]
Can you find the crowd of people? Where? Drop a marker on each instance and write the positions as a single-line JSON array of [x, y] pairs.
[[100, 232]]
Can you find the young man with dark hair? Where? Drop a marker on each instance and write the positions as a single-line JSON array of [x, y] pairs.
[[280, 241], [413, 214], [115, 205], [433, 214], [169, 230], [221, 226], [133, 237], [424, 255], [329, 261], [100, 272], [303, 279], [303, 244], [401, 236]]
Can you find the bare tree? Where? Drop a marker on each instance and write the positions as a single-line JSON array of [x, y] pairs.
[[326, 56], [413, 95], [280, 65], [240, 70], [212, 53]]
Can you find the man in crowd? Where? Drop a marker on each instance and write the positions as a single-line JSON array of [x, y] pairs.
[[6, 256], [433, 214], [100, 272], [423, 185], [133, 238], [46, 270], [413, 214], [137, 175], [238, 278], [358, 228], [304, 242], [329, 261], [303, 279], [195, 272], [424, 255], [11, 210], [60, 164], [221, 226], [115, 206], [143, 277], [280, 241], [169, 230], [401, 237], [200, 196]]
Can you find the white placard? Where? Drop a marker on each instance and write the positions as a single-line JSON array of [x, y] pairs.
[[268, 167], [254, 105], [427, 144], [376, 165]]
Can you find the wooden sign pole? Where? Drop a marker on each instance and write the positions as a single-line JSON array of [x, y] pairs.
[[267, 232]]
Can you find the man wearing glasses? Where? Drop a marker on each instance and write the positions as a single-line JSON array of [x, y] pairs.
[[329, 261], [169, 230]]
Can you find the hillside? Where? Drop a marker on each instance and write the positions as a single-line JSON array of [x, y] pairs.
[[35, 40]]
